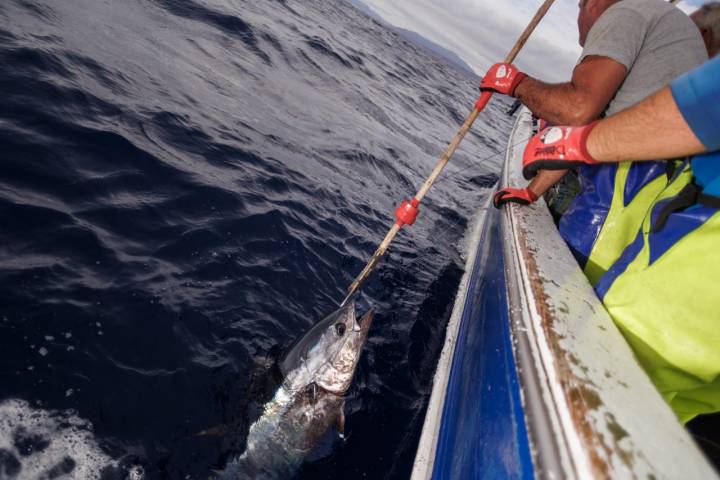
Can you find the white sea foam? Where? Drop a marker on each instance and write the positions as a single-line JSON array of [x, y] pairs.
[[37, 443]]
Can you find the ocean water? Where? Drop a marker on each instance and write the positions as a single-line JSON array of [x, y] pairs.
[[185, 187]]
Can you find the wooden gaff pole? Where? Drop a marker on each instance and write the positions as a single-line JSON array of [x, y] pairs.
[[479, 107]]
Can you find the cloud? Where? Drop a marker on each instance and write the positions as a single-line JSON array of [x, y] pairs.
[[482, 32]]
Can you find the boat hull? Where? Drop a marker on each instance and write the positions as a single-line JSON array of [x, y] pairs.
[[535, 380]]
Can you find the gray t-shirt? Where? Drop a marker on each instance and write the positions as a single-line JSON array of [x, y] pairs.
[[653, 39]]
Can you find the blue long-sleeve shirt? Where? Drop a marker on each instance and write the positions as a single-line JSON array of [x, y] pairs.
[[697, 94]]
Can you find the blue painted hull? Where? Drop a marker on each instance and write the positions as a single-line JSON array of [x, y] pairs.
[[483, 432]]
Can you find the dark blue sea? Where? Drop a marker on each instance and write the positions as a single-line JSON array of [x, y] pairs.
[[185, 187]]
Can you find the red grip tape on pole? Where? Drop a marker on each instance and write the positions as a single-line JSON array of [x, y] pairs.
[[483, 100], [407, 212]]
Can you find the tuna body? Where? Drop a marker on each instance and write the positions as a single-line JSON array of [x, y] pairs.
[[287, 431]]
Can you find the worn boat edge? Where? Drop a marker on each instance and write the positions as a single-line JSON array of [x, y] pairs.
[[589, 409]]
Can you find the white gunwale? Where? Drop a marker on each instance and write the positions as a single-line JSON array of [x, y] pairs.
[[605, 416]]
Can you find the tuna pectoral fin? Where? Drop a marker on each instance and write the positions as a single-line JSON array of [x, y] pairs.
[[216, 431], [340, 422]]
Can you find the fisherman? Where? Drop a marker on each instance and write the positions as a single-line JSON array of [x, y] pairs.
[[663, 290], [632, 48], [707, 19]]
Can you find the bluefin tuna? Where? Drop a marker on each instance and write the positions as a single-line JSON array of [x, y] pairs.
[[317, 372]]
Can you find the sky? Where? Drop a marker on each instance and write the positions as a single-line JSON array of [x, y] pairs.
[[482, 32]]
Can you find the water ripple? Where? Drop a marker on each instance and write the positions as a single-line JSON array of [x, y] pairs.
[[189, 185]]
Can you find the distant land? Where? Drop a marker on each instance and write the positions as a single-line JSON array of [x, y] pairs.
[[418, 39]]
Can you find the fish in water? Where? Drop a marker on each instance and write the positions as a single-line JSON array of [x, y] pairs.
[[317, 371]]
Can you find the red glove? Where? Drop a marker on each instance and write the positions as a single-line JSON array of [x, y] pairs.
[[523, 196], [557, 148], [502, 78]]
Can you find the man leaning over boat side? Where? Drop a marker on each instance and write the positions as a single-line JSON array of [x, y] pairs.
[[663, 290], [632, 48], [707, 19]]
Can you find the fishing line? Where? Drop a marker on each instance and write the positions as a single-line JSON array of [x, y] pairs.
[[477, 162]]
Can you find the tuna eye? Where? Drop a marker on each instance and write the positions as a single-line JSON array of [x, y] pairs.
[[340, 329]]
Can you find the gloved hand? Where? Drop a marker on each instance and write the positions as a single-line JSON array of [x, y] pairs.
[[557, 148], [523, 196], [502, 78]]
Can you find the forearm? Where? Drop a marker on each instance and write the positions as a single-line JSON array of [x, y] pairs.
[[544, 180], [559, 104], [654, 129]]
